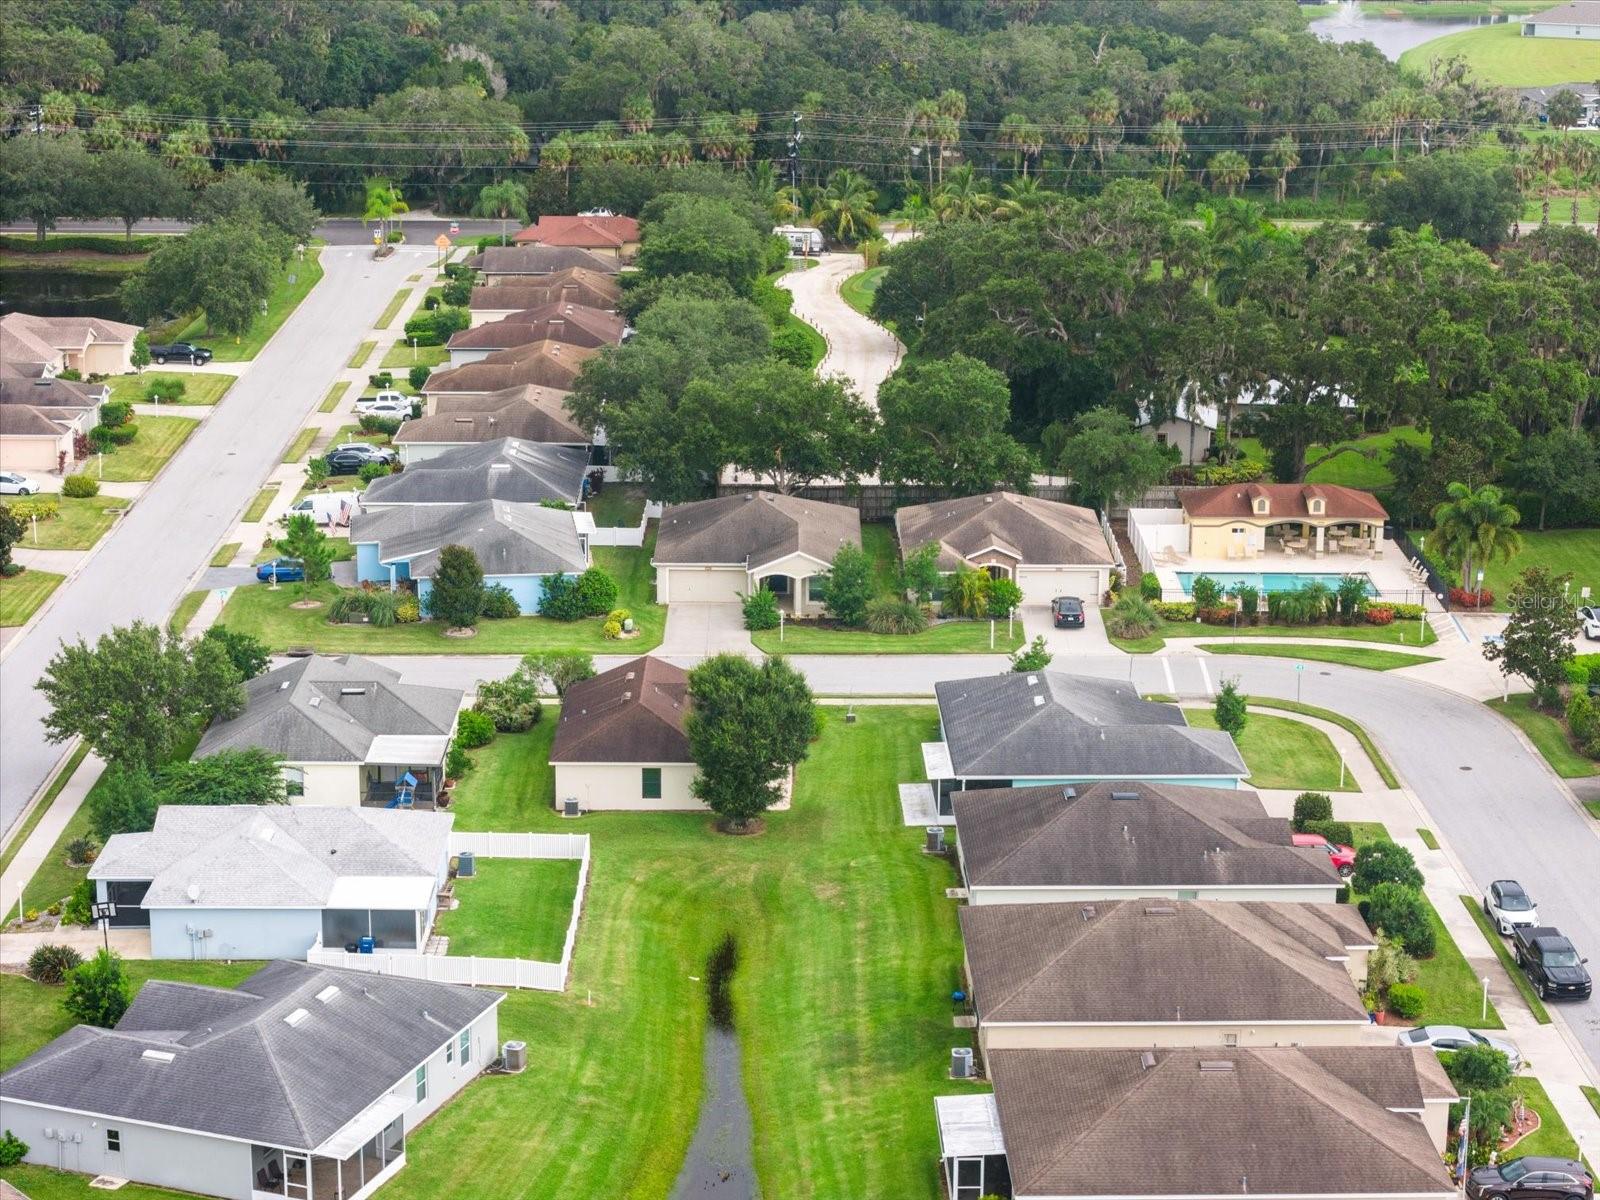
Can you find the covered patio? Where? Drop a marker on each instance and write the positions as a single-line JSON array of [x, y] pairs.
[[350, 1165], [393, 757]]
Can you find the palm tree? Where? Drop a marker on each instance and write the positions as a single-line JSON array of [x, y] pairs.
[[920, 123], [1229, 169], [1102, 109], [844, 209], [717, 136], [1581, 157], [964, 196], [1546, 158], [1167, 137], [1022, 196], [383, 202], [503, 200], [1022, 137], [914, 213], [637, 114], [557, 155], [1283, 158], [1474, 527]]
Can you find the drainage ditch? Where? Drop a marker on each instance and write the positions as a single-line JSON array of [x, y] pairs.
[[719, 1162]]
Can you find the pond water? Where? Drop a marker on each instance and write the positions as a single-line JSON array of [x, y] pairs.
[[719, 1163], [1393, 36], [61, 294]]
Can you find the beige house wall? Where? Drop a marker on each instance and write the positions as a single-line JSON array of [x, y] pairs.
[[619, 787], [1215, 1034], [107, 358], [35, 454], [330, 783]]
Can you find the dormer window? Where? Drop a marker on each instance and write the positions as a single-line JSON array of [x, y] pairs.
[[1263, 506], [1316, 506]]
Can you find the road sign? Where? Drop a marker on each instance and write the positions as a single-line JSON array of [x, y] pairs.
[[455, 228], [442, 242]]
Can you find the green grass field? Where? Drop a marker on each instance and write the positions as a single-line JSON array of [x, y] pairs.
[[1400, 633], [1548, 735], [859, 289], [362, 353], [616, 506], [513, 908], [1564, 551], [301, 445], [335, 394], [1354, 728], [42, 1183], [1367, 470], [1499, 54], [77, 525], [392, 309], [1348, 656], [400, 356], [225, 553], [158, 439], [184, 613], [1449, 10], [1552, 1138], [21, 595], [1281, 752], [1560, 210], [947, 637], [199, 388], [298, 278], [258, 507]]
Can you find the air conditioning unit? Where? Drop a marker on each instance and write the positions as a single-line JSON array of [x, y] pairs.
[[935, 843], [466, 865], [961, 1063], [569, 807], [516, 1056]]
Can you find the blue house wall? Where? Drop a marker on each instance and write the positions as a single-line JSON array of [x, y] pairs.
[[238, 933], [528, 589]]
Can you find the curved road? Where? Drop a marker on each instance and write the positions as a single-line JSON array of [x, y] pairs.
[[859, 350]]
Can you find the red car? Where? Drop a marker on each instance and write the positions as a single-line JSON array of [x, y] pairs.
[[1342, 857]]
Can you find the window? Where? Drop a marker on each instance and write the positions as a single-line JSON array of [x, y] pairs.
[[464, 1047], [294, 781], [1261, 505], [1316, 507], [651, 783], [422, 1083], [114, 1141], [449, 1052], [1230, 1039]]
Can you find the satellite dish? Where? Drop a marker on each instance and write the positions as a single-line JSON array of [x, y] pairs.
[[193, 892]]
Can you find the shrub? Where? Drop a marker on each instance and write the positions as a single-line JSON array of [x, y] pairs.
[[512, 704], [559, 601], [1032, 657], [31, 915], [371, 424], [499, 603], [317, 471], [429, 303], [1229, 709], [1223, 614], [1388, 965], [620, 615], [1351, 594], [383, 380], [792, 345], [105, 437], [1249, 598], [966, 593], [55, 909], [1130, 617], [1150, 586], [1385, 862], [1405, 612], [456, 762], [849, 585], [1464, 598], [1334, 831], [457, 292], [45, 508], [408, 611], [380, 608], [1380, 614], [80, 487], [81, 850], [1174, 610], [1581, 717], [369, 471], [97, 991], [597, 592], [1245, 470], [761, 611], [1405, 1000], [115, 413], [895, 615], [473, 729], [1206, 591], [76, 911], [1311, 806], [1004, 596], [1478, 1068], [52, 964], [12, 1149], [169, 388], [418, 376], [434, 328], [611, 630], [1401, 912]]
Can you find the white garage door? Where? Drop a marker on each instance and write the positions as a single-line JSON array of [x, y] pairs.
[[1041, 585], [691, 585]]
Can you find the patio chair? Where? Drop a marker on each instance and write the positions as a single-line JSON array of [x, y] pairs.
[[1289, 551]]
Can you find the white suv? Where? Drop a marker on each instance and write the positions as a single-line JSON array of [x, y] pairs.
[[1508, 905]]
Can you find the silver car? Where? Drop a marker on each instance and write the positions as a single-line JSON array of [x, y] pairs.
[[1457, 1037]]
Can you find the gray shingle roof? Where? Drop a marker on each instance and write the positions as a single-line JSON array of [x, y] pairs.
[[1053, 726], [754, 528], [239, 1069], [508, 539], [504, 469], [546, 363], [310, 711], [1038, 532], [51, 393], [1275, 1121], [271, 856], [1577, 12], [1169, 837], [1218, 961]]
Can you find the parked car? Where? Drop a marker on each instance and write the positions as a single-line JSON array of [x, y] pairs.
[[1343, 858], [1508, 905], [14, 483], [283, 570], [366, 450], [385, 403], [1589, 616], [1535, 1177], [181, 352], [1458, 1037], [1066, 612], [326, 508], [349, 458], [1551, 963]]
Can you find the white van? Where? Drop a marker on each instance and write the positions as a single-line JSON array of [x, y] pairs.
[[327, 508]]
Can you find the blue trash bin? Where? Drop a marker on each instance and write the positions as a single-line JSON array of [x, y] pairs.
[[364, 946]]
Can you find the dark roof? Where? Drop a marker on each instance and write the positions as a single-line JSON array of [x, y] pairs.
[[754, 528], [1285, 501], [1034, 531], [594, 231], [240, 1070], [1216, 1122], [547, 364], [539, 260], [575, 286], [51, 393], [1130, 835], [506, 538], [504, 469], [526, 412], [1215, 961], [632, 713], [1053, 726], [329, 709], [23, 420], [572, 324]]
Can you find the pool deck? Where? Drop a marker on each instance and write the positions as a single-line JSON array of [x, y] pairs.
[[1388, 574]]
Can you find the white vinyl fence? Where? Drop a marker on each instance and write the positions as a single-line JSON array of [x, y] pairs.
[[620, 535], [1154, 530], [471, 970]]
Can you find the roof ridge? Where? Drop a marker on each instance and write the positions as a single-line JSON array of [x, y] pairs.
[[1263, 931], [1085, 928], [283, 1087]]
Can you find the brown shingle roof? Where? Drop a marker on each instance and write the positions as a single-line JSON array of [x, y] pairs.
[[1276, 1121], [1039, 532], [23, 420], [544, 364], [573, 324], [754, 528], [1285, 501], [51, 393], [630, 714], [597, 232], [1160, 835], [545, 261], [1219, 961], [532, 414]]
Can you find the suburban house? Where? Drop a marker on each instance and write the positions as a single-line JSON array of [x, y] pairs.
[[1081, 976], [1363, 1122], [1190, 427], [347, 729], [721, 549], [525, 412], [38, 346], [511, 294], [1237, 520], [1122, 841], [1048, 548], [301, 1082], [1017, 731], [1537, 100], [602, 234], [530, 263], [518, 546], [570, 324], [504, 469], [42, 417], [1575, 19], [546, 363], [272, 881], [621, 742]]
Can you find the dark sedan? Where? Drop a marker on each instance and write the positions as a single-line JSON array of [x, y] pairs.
[[1067, 612], [281, 570], [348, 460], [1532, 1178]]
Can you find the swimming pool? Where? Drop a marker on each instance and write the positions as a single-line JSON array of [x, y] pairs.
[[1264, 582]]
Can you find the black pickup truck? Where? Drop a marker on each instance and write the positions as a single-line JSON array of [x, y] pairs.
[[1551, 962], [180, 352]]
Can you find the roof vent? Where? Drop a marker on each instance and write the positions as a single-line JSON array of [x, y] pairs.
[[314, 701], [1216, 1064], [499, 467], [1033, 681], [988, 499], [466, 420], [1147, 1060], [1070, 793], [1038, 701], [1087, 912], [1124, 795], [328, 993], [283, 685], [352, 691], [629, 675], [296, 1017], [160, 1056], [1160, 910], [265, 833]]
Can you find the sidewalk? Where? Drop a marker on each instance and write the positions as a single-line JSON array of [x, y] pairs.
[[47, 831]]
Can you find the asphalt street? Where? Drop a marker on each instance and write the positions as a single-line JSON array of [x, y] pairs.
[[149, 560], [336, 231]]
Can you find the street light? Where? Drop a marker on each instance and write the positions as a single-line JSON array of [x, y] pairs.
[[1479, 604]]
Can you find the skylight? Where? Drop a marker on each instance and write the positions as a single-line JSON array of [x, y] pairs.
[[161, 1056], [328, 993], [296, 1017]]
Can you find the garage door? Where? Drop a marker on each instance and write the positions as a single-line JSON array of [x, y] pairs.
[[1040, 586], [691, 585]]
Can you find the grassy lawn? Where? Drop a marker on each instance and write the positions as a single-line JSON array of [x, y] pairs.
[[43, 806], [285, 298], [21, 595], [848, 953], [267, 615], [1560, 210], [158, 439], [400, 356], [184, 613], [77, 525], [198, 388], [335, 394], [947, 637], [363, 352], [225, 553], [301, 445], [1400, 633], [1349, 656], [513, 908], [42, 1183], [1518, 979], [343, 551], [617, 506], [1563, 551], [258, 507], [1283, 753], [1553, 1138], [1351, 470], [1548, 735], [1498, 54], [858, 290], [392, 309]]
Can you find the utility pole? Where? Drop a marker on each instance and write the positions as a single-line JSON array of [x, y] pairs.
[[794, 152], [36, 115]]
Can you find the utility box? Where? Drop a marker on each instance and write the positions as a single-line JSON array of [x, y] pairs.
[[961, 1063]]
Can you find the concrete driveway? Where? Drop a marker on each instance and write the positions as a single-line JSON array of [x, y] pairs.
[[860, 350], [698, 630], [1066, 644]]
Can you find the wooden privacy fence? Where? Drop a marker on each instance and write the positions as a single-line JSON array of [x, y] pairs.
[[470, 969]]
